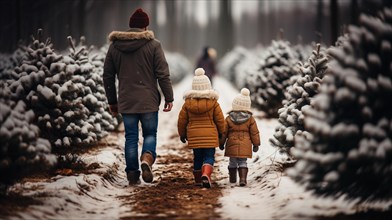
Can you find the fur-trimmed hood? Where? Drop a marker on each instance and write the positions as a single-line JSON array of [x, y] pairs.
[[132, 34], [201, 94], [129, 41], [200, 102]]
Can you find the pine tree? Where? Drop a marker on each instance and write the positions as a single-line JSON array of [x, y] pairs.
[[94, 97], [179, 66], [55, 93], [34, 68], [227, 65], [98, 60], [349, 151], [299, 95], [9, 62], [303, 51], [21, 148], [249, 65], [269, 83]]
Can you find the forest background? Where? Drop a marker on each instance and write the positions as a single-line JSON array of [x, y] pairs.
[[184, 26]]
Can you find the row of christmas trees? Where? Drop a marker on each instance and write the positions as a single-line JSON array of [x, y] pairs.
[[334, 109], [52, 103]]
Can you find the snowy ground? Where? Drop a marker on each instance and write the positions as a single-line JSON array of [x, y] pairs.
[[270, 194]]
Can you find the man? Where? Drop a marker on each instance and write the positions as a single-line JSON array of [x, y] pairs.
[[138, 61]]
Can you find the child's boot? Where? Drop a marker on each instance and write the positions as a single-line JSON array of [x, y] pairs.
[[197, 175], [233, 175], [243, 173], [206, 170]]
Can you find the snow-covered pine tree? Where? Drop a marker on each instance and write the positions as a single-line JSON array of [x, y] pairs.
[[341, 40], [230, 60], [349, 151], [34, 68], [93, 93], [269, 83], [98, 60], [303, 51], [9, 61], [21, 149], [63, 117], [98, 55], [304, 88], [51, 89], [179, 66], [250, 64]]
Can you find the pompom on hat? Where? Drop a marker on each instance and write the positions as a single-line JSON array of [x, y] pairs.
[[242, 101], [139, 19], [200, 80]]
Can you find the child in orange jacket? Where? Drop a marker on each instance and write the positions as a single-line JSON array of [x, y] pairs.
[[200, 122]]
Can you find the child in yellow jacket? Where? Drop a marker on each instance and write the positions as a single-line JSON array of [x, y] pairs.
[[240, 134], [200, 122]]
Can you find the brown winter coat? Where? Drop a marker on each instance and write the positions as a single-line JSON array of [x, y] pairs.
[[240, 138], [201, 119], [137, 59]]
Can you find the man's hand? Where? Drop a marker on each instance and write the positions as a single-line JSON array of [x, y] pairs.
[[168, 106], [255, 148], [114, 110], [222, 147], [183, 139]]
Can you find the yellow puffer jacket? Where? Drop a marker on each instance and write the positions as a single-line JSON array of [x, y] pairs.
[[201, 119]]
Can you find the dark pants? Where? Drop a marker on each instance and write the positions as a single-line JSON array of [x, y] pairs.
[[202, 156]]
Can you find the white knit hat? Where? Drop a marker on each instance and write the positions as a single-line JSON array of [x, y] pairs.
[[200, 81], [242, 101]]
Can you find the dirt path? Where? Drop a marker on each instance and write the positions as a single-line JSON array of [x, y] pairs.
[[172, 194]]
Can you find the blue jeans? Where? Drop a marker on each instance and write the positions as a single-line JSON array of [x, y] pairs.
[[202, 156], [149, 122]]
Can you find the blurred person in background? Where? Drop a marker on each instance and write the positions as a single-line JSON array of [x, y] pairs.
[[207, 62]]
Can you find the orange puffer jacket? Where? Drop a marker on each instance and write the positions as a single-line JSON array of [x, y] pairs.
[[201, 119], [240, 136]]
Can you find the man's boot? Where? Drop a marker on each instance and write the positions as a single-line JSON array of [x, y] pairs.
[[146, 164], [233, 175], [197, 175], [243, 172], [133, 177], [206, 171]]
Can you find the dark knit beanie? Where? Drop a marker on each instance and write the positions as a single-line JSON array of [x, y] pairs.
[[139, 19]]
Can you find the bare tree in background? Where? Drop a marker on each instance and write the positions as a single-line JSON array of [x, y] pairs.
[[319, 20], [226, 27], [172, 21], [334, 21], [354, 12]]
